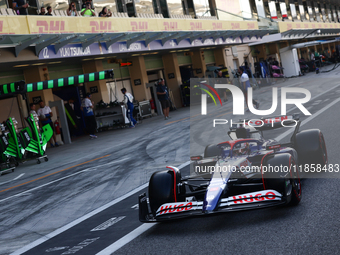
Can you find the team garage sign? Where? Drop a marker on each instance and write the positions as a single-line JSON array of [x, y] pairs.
[[76, 50]]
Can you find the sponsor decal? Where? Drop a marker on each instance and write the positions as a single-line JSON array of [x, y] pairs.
[[235, 26], [196, 25], [217, 25], [27, 136], [170, 26], [101, 26], [139, 26], [256, 197], [52, 27], [174, 208], [251, 25]]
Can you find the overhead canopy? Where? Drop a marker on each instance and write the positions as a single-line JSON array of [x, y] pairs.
[[294, 34], [308, 44], [41, 41]]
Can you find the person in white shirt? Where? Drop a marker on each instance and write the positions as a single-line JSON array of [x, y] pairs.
[[90, 120], [128, 101], [45, 114], [312, 56], [245, 85]]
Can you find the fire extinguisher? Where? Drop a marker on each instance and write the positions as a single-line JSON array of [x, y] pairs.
[[57, 127], [152, 104]]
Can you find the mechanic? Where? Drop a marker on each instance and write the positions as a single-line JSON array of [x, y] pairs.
[[90, 120], [128, 101], [245, 84], [32, 111], [163, 97], [45, 114]]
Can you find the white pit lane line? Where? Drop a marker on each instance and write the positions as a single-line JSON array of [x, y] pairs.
[[56, 232]]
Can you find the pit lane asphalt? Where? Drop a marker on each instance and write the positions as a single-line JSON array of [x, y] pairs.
[[38, 213], [50, 198]]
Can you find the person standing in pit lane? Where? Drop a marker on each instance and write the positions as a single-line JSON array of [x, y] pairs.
[[45, 114], [32, 111], [90, 120], [128, 101], [163, 97], [245, 85]]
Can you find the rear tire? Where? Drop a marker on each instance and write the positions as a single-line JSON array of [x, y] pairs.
[[311, 147], [212, 150]]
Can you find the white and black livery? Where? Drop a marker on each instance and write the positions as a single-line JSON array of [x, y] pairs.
[[246, 172]]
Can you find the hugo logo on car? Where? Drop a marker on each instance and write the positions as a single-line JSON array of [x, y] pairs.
[[253, 197], [176, 207]]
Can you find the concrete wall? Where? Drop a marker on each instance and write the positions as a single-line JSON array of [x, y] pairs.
[[138, 73]]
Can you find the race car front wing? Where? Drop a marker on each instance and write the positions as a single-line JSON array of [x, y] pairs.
[[254, 200]]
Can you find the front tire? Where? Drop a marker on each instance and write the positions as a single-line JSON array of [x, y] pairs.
[[287, 181], [163, 188]]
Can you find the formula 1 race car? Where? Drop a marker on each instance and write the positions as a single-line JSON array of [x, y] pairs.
[[246, 172]]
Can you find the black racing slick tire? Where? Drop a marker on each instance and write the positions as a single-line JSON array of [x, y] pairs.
[[212, 150], [286, 181], [163, 188], [311, 147]]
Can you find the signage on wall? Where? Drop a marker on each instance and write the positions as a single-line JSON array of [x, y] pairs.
[[137, 82], [36, 100], [126, 64], [171, 75], [76, 49], [93, 89]]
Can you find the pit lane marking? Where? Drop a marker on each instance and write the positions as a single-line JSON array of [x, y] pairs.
[[308, 119], [12, 179], [126, 239], [47, 175], [136, 207], [57, 249], [108, 223], [80, 246], [89, 215]]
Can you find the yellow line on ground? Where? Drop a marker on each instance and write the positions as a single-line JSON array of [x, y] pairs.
[[176, 121], [53, 173]]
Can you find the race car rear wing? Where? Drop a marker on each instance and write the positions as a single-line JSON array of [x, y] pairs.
[[267, 123]]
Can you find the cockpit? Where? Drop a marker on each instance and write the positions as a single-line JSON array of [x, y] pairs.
[[245, 133]]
